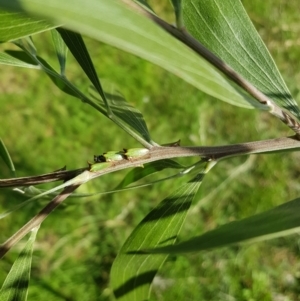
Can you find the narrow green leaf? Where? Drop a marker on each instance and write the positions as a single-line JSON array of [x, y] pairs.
[[15, 286], [113, 23], [59, 80], [10, 58], [279, 221], [123, 112], [27, 44], [77, 47], [124, 115], [138, 173], [178, 12], [224, 27], [6, 157], [61, 50], [132, 273], [14, 25], [145, 4]]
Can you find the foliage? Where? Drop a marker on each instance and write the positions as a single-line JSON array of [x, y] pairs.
[[254, 82]]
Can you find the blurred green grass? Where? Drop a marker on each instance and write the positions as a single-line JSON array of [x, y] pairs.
[[44, 130]]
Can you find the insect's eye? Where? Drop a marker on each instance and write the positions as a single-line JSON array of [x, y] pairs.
[[98, 159]]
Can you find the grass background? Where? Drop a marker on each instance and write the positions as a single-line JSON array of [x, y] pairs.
[[44, 130]]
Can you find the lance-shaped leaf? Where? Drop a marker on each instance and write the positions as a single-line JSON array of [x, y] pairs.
[[59, 80], [29, 54], [139, 173], [224, 27], [15, 286], [61, 50], [115, 24], [132, 272], [124, 114], [4, 154], [178, 12], [10, 58], [280, 221], [14, 25], [145, 4], [77, 47]]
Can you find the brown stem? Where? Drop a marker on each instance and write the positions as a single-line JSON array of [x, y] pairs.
[[195, 45], [36, 220], [162, 152]]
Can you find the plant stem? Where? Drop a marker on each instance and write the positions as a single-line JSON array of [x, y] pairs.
[[36, 220], [208, 152], [162, 152], [195, 45]]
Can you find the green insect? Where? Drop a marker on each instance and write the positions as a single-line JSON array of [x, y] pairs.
[[110, 157], [99, 166], [136, 153], [107, 159], [114, 156]]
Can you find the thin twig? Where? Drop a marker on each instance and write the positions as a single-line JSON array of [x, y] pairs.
[[62, 175], [36, 220], [208, 152], [195, 45], [162, 152], [156, 153]]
